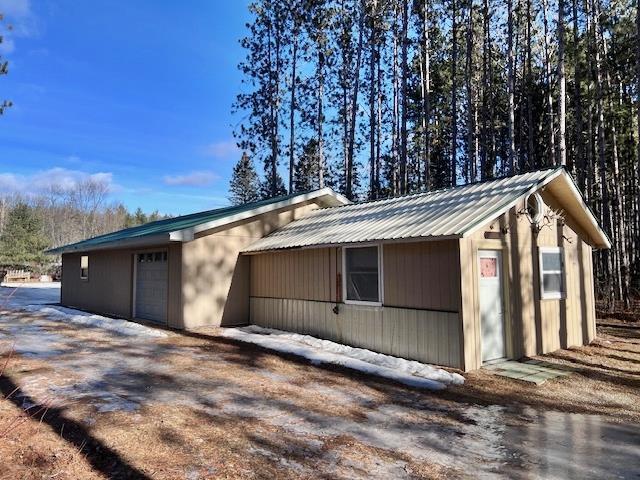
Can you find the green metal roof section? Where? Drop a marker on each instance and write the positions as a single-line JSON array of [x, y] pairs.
[[176, 224]]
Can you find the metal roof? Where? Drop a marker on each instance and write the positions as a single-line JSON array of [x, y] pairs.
[[184, 228], [450, 213]]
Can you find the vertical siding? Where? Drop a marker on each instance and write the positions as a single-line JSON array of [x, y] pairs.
[[535, 326], [422, 335], [174, 291], [108, 289], [308, 274], [420, 275]]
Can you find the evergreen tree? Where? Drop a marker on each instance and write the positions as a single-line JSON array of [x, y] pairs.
[[305, 176], [139, 217], [244, 186], [22, 241]]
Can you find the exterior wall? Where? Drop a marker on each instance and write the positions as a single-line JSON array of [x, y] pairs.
[[296, 290], [216, 278], [533, 326], [109, 289]]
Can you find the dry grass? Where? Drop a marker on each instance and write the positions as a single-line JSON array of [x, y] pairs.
[[167, 441], [606, 379]]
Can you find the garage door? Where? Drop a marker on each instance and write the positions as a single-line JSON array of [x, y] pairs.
[[151, 286]]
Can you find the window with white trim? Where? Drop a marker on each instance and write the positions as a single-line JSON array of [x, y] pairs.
[[84, 267], [362, 274], [551, 273]]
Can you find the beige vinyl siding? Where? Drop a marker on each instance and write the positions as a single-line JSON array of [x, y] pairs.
[[295, 290], [216, 278], [422, 275], [533, 326], [108, 288], [422, 335], [296, 274]]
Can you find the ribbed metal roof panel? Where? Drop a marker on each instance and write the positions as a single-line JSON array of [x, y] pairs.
[[442, 213]]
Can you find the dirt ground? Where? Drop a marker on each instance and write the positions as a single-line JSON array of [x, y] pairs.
[[96, 404]]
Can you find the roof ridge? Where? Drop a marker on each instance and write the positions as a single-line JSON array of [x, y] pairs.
[[439, 190]]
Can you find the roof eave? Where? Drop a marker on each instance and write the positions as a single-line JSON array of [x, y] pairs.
[[334, 199], [141, 242], [602, 243]]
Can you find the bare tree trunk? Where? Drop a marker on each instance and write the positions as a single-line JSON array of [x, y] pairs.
[[547, 69], [637, 181], [403, 118], [511, 153], [292, 112], [395, 134], [531, 155], [354, 105], [373, 188], [562, 87], [454, 93], [577, 94], [471, 116], [602, 164], [620, 252], [320, 117], [427, 96]]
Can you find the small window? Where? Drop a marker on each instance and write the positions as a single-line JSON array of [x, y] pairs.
[[157, 257], [551, 273], [84, 267], [362, 275]]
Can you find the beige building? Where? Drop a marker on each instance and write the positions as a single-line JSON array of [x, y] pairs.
[[457, 277]]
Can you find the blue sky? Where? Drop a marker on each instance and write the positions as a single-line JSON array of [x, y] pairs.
[[137, 92]]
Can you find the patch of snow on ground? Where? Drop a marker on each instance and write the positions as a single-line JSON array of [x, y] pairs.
[[114, 325], [319, 351], [41, 298]]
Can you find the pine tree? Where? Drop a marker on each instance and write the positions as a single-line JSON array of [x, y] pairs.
[[22, 241], [305, 176], [244, 186]]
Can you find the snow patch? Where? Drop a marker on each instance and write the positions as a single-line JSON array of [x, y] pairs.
[[113, 325], [319, 351]]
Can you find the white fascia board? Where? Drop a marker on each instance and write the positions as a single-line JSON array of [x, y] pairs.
[[592, 219], [189, 234]]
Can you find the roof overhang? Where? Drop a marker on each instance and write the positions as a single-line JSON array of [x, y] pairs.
[[139, 242], [326, 197], [561, 186]]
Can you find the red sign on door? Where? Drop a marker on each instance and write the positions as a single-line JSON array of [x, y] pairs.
[[488, 267]]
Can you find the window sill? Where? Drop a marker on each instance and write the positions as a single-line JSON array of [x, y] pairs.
[[363, 304], [553, 297]]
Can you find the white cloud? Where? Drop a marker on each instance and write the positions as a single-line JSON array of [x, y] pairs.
[[223, 149], [21, 20], [193, 179], [15, 8], [55, 177]]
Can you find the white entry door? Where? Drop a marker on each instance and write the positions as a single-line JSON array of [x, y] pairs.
[[151, 286], [491, 304]]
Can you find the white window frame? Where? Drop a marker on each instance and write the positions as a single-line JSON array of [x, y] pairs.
[[84, 277], [552, 295], [380, 276]]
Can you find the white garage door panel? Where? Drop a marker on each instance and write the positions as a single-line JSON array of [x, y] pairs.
[[151, 286]]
